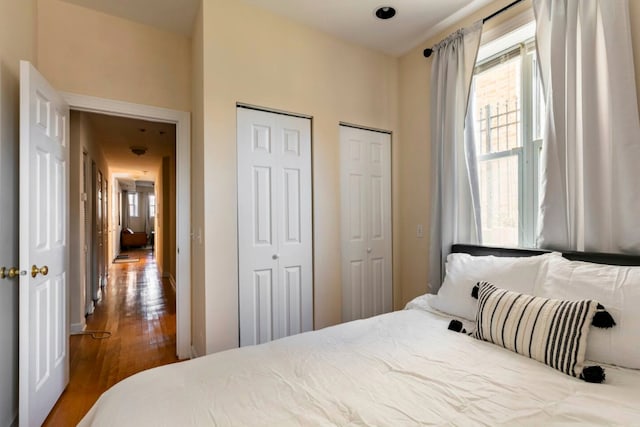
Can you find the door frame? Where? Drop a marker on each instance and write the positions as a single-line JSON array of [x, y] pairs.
[[182, 121]]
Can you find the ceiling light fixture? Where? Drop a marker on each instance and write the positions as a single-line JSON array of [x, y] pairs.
[[385, 12], [138, 151]]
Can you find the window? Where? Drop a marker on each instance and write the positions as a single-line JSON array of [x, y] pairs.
[[152, 205], [509, 109], [133, 204]]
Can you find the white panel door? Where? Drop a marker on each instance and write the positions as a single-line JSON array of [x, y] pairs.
[[274, 226], [365, 181], [44, 175]]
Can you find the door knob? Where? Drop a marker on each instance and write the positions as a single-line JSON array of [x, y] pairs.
[[368, 250], [35, 270], [13, 272], [10, 273], [275, 256]]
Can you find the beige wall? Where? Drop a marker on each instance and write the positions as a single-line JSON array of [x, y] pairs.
[[77, 294], [17, 41], [198, 308], [158, 225], [83, 140], [255, 57], [171, 225], [92, 53], [165, 230]]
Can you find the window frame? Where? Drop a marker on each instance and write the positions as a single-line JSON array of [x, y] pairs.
[[135, 204], [528, 152], [151, 205]]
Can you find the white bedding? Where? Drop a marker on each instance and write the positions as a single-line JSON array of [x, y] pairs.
[[402, 368]]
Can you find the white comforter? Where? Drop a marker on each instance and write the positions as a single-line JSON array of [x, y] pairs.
[[402, 368]]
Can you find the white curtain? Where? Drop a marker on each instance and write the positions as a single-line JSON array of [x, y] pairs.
[[590, 191], [454, 197]]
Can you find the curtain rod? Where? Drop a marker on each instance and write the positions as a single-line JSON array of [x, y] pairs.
[[427, 52]]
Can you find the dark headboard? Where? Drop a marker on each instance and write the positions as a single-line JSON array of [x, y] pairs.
[[596, 257]]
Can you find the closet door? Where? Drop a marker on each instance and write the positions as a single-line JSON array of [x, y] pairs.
[[274, 226], [365, 181]]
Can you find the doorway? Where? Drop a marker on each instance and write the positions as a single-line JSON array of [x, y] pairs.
[[181, 120], [123, 191]]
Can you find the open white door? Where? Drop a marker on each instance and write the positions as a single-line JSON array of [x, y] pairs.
[[44, 174]]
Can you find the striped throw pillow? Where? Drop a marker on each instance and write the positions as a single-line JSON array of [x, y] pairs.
[[550, 331]]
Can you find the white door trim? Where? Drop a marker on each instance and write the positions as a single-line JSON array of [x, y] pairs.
[[182, 120]]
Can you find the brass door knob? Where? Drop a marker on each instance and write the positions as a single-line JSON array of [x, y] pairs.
[[10, 273], [35, 270]]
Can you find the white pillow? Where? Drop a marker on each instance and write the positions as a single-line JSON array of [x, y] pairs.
[[463, 271], [617, 289]]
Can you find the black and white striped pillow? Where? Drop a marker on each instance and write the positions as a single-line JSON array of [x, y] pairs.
[[550, 331]]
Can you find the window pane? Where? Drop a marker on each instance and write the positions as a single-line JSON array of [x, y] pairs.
[[499, 200], [133, 204], [497, 98], [152, 205]]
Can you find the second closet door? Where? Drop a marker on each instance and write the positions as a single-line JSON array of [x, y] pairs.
[[365, 181], [274, 226]]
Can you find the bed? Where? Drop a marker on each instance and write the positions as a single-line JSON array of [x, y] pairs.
[[400, 368]]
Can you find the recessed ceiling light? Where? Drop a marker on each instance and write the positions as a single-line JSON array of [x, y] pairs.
[[385, 12]]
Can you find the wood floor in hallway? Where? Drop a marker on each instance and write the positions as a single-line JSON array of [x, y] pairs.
[[138, 308]]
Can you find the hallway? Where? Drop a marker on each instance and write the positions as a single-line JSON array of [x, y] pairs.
[[138, 307]]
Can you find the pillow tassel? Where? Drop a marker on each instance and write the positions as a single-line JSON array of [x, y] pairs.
[[593, 374], [456, 326], [475, 290], [602, 318]]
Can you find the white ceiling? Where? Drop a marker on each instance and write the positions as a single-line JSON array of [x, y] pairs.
[[351, 20], [355, 20], [116, 136]]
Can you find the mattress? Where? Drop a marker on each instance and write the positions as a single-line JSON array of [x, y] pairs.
[[401, 368]]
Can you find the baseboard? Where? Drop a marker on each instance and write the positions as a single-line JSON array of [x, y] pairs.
[[90, 308], [77, 327], [194, 353], [172, 279]]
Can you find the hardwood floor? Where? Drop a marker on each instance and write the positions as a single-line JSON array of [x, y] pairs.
[[138, 308]]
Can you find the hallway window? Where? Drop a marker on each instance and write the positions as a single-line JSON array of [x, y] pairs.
[[152, 205], [133, 204]]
